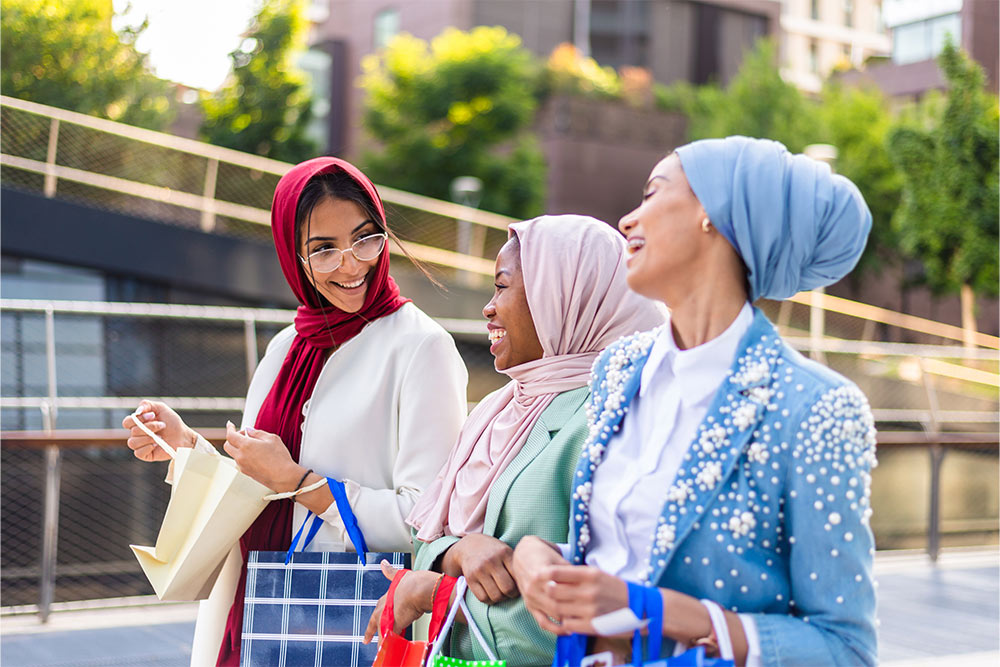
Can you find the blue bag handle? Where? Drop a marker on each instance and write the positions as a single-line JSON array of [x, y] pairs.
[[645, 602], [654, 612], [570, 650], [346, 514]]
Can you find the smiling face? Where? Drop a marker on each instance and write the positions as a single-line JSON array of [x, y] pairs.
[[338, 223], [513, 338], [665, 239]]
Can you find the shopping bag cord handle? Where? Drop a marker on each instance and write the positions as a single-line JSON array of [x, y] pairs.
[[173, 454], [157, 439]]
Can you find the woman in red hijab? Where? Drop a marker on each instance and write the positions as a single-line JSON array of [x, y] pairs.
[[363, 387]]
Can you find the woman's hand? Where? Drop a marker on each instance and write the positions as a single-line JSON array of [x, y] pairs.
[[412, 599], [581, 593], [162, 420], [488, 566], [534, 561], [264, 457]]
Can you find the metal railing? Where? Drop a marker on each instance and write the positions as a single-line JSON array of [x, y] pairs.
[[44, 333], [215, 189]]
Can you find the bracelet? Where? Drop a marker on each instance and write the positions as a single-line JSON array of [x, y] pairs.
[[299, 485], [437, 585]]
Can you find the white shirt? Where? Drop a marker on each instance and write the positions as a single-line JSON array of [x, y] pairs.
[[384, 414], [675, 390]]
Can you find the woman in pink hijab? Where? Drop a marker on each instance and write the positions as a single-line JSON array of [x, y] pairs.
[[560, 298]]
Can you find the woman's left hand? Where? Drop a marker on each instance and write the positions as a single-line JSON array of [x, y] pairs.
[[264, 457], [580, 593]]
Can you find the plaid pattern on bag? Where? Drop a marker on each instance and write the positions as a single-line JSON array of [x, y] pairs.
[[312, 611]]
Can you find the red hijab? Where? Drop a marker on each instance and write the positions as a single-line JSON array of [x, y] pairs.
[[319, 326]]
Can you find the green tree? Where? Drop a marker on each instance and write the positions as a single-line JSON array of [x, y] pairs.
[[756, 103], [265, 106], [857, 122], [948, 218], [460, 106], [65, 53]]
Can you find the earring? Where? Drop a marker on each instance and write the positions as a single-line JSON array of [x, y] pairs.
[[706, 225]]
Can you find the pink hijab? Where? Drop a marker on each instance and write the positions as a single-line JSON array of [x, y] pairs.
[[574, 277]]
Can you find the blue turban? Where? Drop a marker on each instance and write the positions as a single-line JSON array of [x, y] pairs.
[[796, 225]]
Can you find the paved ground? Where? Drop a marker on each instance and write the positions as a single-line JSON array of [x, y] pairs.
[[941, 616]]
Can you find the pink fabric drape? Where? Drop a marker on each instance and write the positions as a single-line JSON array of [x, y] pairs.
[[574, 276]]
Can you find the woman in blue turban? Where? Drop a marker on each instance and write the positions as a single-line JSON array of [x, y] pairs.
[[723, 492]]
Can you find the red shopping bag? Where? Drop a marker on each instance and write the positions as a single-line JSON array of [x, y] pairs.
[[397, 651]]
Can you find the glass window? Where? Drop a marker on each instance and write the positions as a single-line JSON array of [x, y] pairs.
[[849, 13], [909, 43], [940, 28], [814, 10], [386, 26], [813, 56], [923, 40]]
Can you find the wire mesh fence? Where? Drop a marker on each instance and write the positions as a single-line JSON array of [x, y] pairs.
[[185, 183], [106, 360]]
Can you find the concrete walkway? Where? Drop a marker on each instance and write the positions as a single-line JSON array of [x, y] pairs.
[[947, 614]]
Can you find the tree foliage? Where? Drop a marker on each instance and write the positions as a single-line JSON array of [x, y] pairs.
[[459, 106], [857, 122], [949, 215], [66, 53], [265, 106], [756, 103]]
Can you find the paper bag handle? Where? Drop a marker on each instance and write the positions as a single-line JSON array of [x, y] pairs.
[[157, 439], [173, 454]]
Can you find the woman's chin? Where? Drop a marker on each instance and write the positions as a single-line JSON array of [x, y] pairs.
[[347, 302]]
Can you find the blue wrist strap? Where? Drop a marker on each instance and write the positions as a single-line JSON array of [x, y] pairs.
[[346, 514]]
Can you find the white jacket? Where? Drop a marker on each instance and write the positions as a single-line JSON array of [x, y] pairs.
[[384, 414]]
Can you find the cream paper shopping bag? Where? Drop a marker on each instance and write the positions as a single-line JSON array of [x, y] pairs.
[[211, 505]]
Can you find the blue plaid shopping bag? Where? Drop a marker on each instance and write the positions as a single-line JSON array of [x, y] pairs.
[[311, 608]]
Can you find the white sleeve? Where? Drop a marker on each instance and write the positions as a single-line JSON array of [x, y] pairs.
[[432, 408], [753, 640]]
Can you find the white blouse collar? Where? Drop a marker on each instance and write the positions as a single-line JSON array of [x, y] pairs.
[[700, 368]]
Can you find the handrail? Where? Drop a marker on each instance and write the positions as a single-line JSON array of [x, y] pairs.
[[249, 160], [866, 311]]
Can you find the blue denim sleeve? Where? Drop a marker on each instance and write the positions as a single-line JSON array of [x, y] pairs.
[[830, 545]]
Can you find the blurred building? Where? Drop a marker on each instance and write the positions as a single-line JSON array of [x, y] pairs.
[[820, 36], [919, 29], [691, 40]]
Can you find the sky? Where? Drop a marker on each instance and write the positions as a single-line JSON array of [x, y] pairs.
[[188, 41]]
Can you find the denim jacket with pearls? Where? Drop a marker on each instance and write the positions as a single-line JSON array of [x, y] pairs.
[[768, 514]]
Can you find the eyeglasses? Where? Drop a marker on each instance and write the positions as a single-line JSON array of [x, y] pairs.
[[364, 250]]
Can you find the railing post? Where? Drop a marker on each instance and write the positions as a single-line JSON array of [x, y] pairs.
[[53, 466], [208, 212], [817, 324], [937, 457], [250, 335], [50, 159], [934, 517]]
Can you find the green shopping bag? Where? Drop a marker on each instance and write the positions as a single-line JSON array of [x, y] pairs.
[[435, 659]]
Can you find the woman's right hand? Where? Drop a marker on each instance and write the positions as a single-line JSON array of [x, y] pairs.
[[535, 561], [162, 420], [411, 600], [487, 564]]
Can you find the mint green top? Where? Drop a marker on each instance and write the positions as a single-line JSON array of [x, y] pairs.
[[530, 497]]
